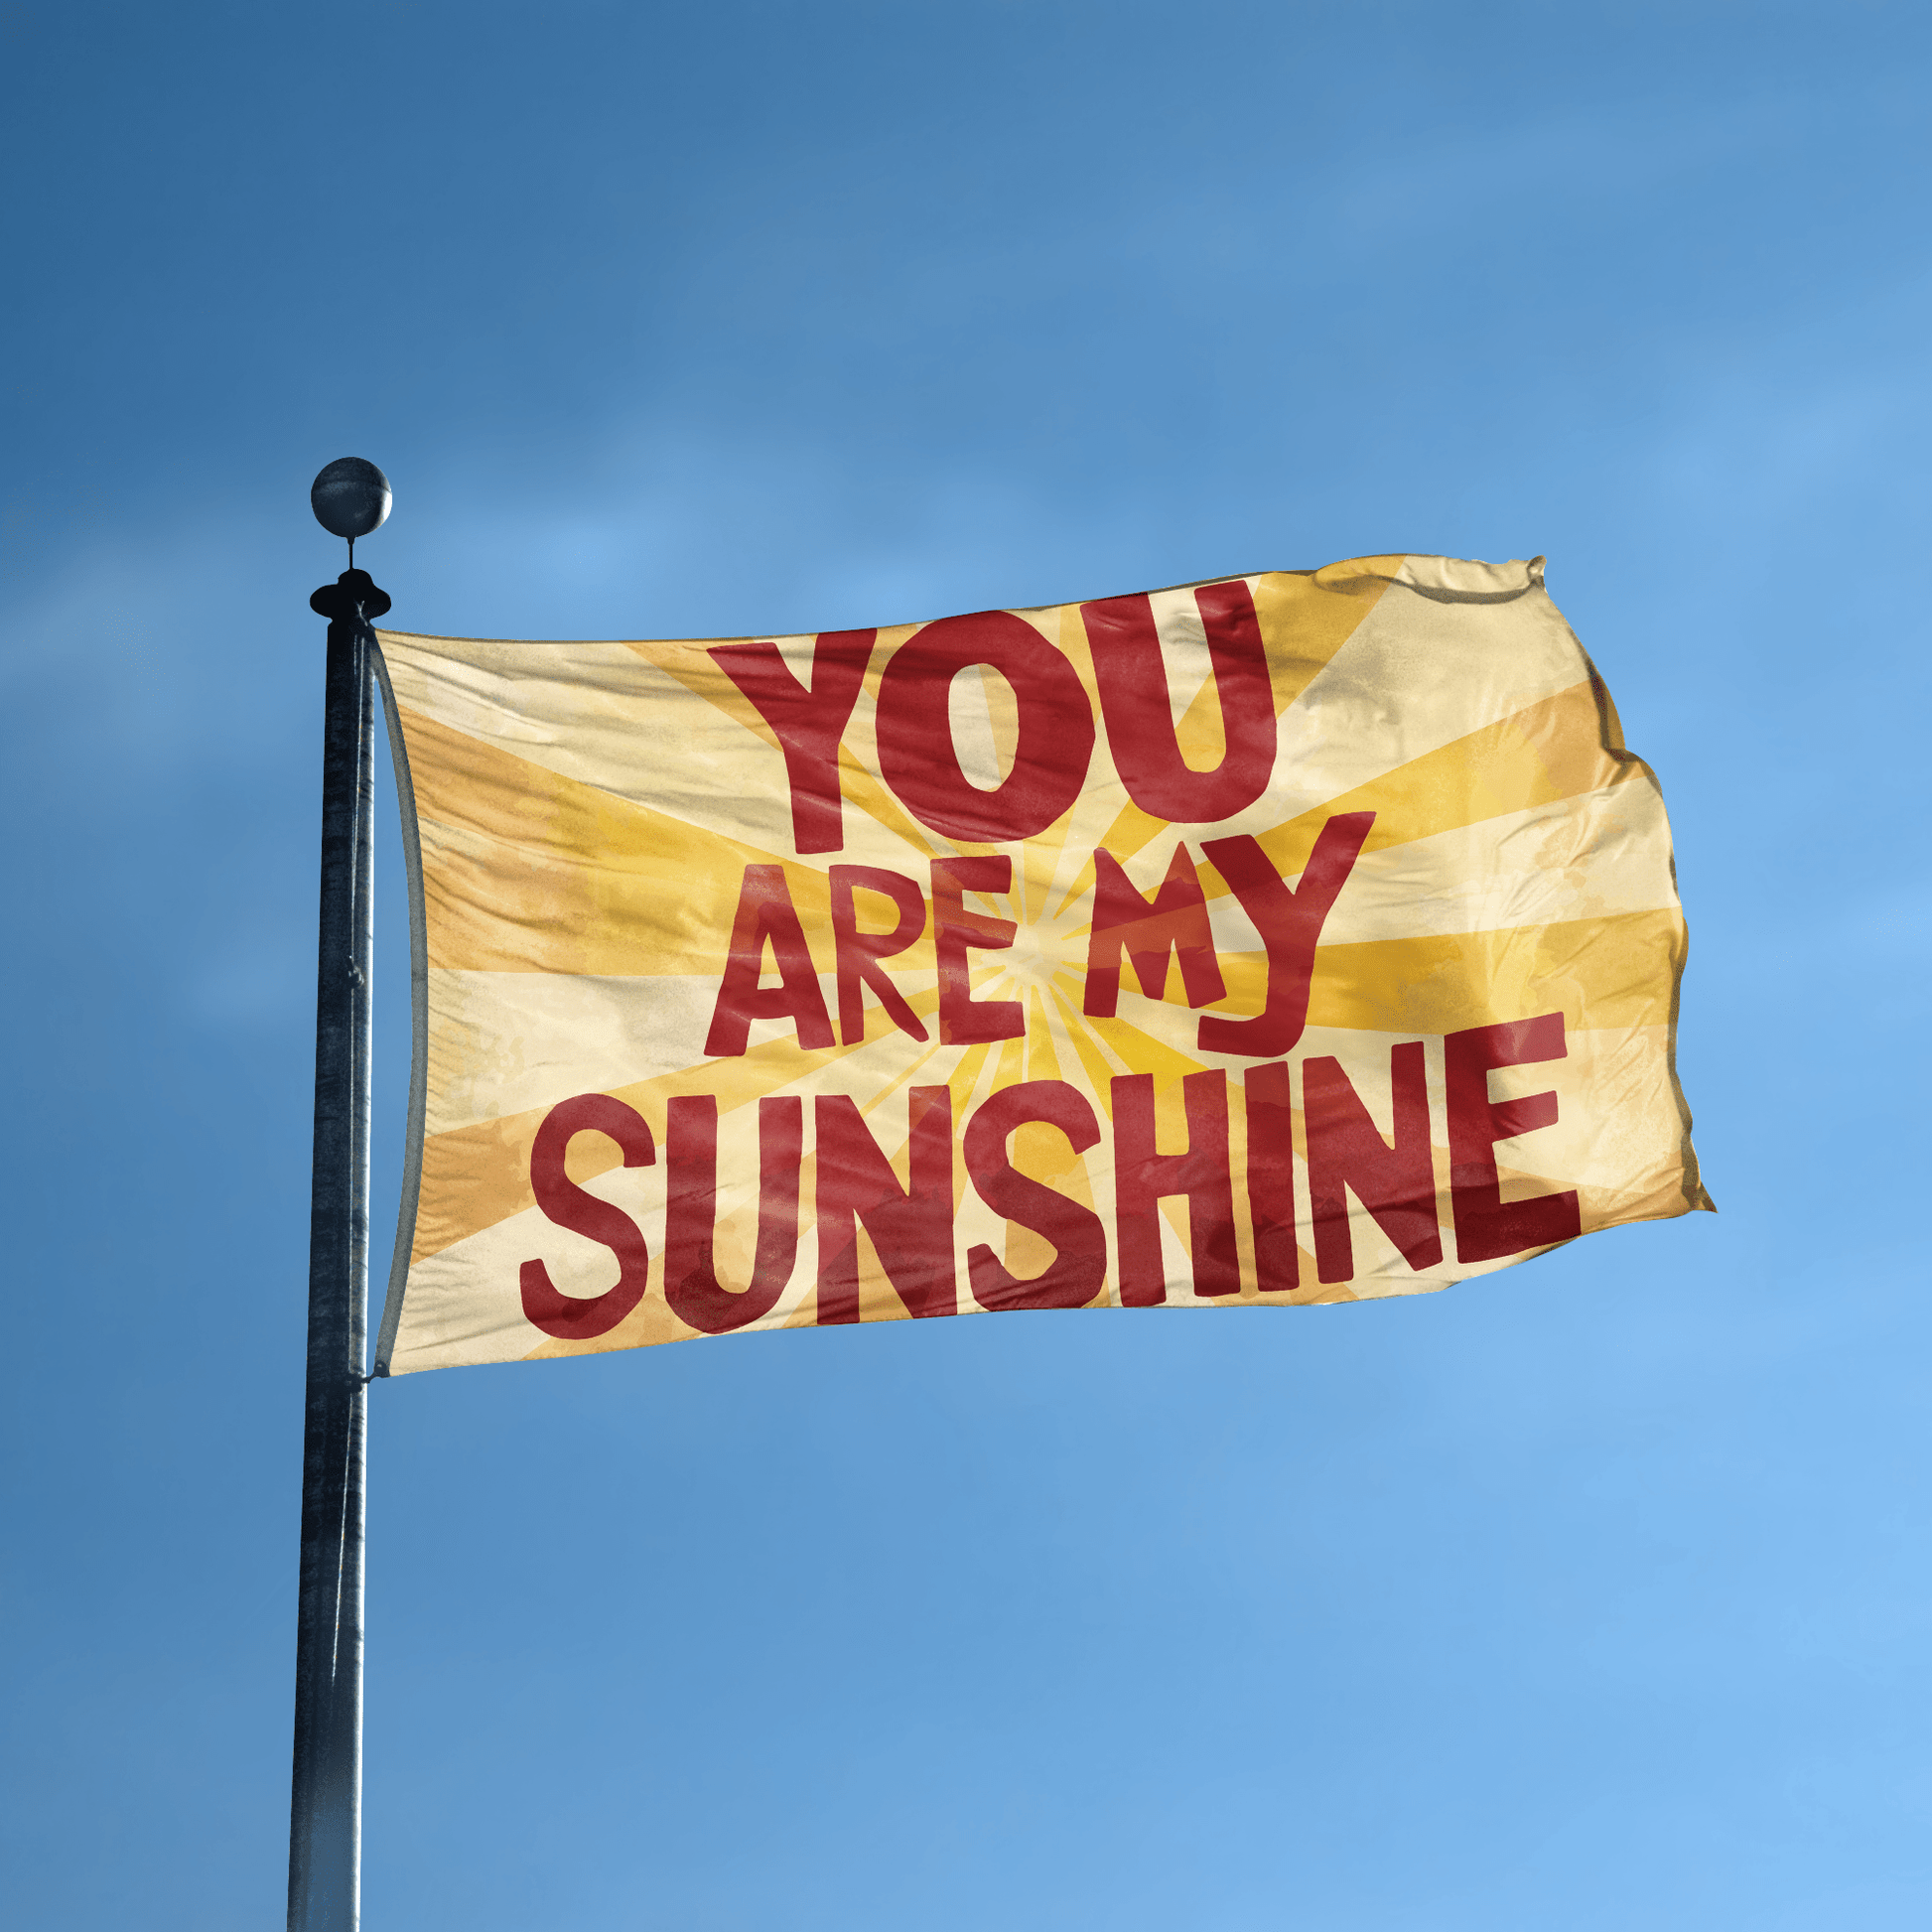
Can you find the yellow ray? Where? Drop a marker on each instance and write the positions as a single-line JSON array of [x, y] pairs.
[[1098, 1067], [1548, 751], [1136, 1051], [1307, 615], [1614, 972], [525, 871], [689, 661]]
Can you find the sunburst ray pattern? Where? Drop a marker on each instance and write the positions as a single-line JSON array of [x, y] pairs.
[[1435, 885]]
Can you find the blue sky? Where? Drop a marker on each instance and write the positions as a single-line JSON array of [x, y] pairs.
[[1593, 1595]]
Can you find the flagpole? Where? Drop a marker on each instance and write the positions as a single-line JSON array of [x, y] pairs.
[[350, 499]]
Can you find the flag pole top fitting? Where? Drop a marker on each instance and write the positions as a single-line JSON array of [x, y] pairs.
[[350, 497]]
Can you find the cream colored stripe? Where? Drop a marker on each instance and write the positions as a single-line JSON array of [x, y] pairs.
[[1417, 674], [1590, 858], [505, 1043], [602, 715]]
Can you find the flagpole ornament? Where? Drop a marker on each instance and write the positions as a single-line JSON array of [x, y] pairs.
[[350, 497]]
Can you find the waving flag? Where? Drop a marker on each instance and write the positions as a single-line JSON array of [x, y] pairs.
[[1307, 936]]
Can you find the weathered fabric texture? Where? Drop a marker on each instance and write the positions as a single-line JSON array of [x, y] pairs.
[[1299, 937]]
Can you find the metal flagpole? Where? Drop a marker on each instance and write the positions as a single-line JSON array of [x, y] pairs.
[[350, 499]]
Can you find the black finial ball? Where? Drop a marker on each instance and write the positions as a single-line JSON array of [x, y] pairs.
[[350, 497]]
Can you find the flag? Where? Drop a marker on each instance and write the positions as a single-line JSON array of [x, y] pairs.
[[1296, 938]]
